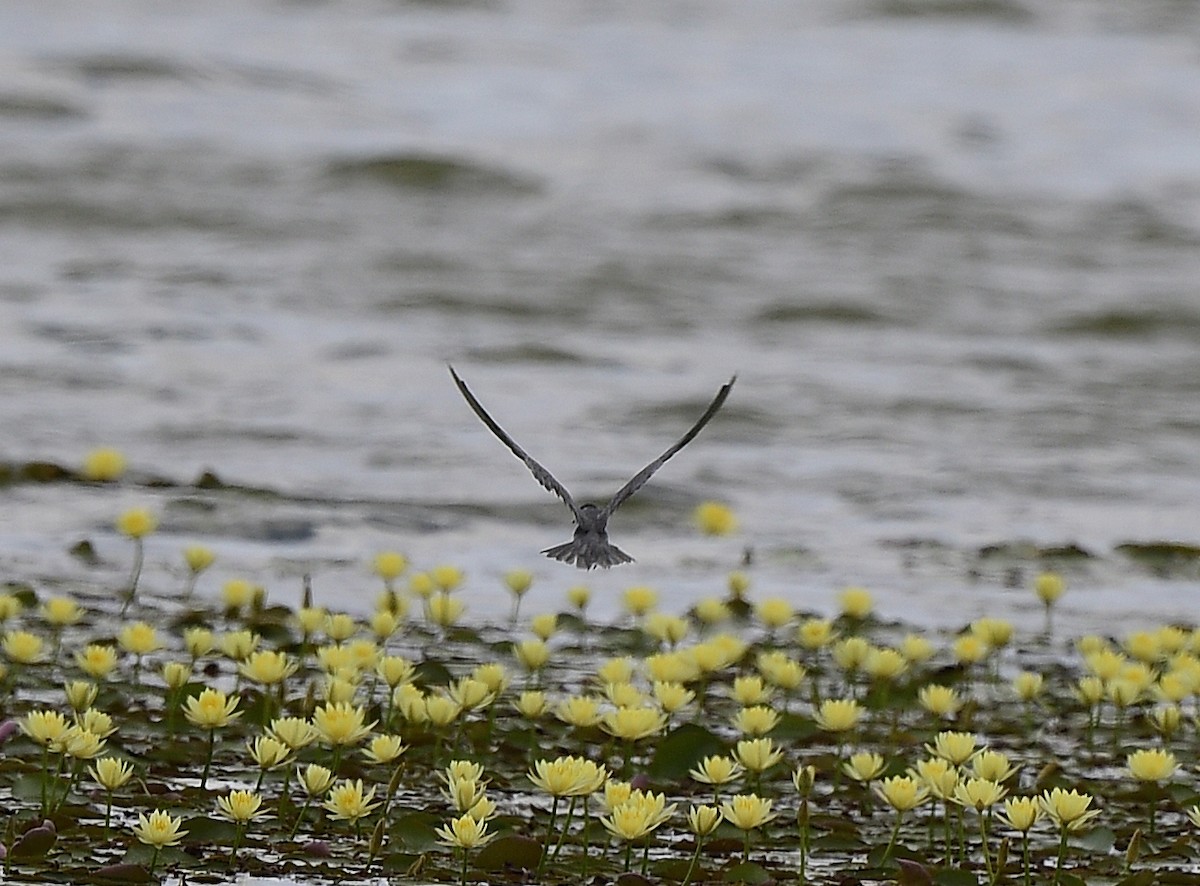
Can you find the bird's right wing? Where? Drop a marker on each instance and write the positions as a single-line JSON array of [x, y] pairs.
[[540, 474], [639, 479]]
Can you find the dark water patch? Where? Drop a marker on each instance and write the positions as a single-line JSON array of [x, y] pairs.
[[531, 352], [431, 172], [455, 303], [18, 106], [841, 313], [80, 336], [734, 218], [990, 10], [107, 67], [1134, 322], [788, 170], [128, 214], [1165, 559], [1137, 222]]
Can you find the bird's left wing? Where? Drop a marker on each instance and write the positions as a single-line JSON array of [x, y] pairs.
[[539, 473], [640, 478]]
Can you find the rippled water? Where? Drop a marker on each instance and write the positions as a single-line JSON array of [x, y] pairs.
[[951, 250]]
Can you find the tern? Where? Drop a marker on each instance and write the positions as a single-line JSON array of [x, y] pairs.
[[590, 547]]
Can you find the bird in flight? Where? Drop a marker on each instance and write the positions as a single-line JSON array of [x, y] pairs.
[[590, 546]]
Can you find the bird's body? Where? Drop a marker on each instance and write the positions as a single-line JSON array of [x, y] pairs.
[[590, 546]]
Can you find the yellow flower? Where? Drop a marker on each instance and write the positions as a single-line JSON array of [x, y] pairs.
[[22, 647], [348, 802], [384, 749], [747, 811], [61, 611], [916, 648], [864, 766], [671, 696], [715, 518], [579, 596], [441, 710], [579, 711], [1166, 719], [978, 793], [992, 765], [544, 625], [1028, 685], [641, 814], [757, 754], [675, 667], [633, 724], [568, 776], [532, 654], [703, 820], [198, 558], [712, 611], [1049, 586], [464, 832], [756, 720], [665, 628], [445, 610], [420, 585], [615, 670], [137, 522], [111, 773], [211, 709], [804, 778], [885, 664], [1022, 813], [639, 600], [159, 829], [267, 666], [531, 704], [139, 638], [1068, 809], [774, 612], [1090, 690], [268, 751], [624, 695], [995, 632], [941, 701], [45, 727], [314, 779], [956, 747], [852, 653], [856, 603], [10, 606], [838, 714], [463, 793], [447, 578], [82, 744], [738, 583], [902, 792], [970, 648], [1151, 764], [518, 581], [237, 593], [384, 623], [176, 674], [240, 806], [1193, 814], [390, 565], [394, 669], [780, 670], [96, 722], [295, 732], [1105, 663], [80, 694], [717, 770], [341, 724], [198, 641], [750, 690], [103, 465]]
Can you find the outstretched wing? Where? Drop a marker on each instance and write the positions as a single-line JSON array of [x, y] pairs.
[[539, 473], [640, 478]]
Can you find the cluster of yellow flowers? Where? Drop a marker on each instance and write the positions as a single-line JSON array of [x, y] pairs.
[[344, 711]]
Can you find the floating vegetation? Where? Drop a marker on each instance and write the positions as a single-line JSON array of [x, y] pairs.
[[156, 735]]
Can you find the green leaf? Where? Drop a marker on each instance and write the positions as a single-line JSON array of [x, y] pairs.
[[1096, 840], [416, 832], [950, 877], [511, 851], [35, 842], [747, 872], [683, 749]]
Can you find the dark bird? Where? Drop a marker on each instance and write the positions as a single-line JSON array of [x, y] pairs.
[[590, 546]]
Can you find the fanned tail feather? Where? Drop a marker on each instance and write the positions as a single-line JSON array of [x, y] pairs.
[[587, 553]]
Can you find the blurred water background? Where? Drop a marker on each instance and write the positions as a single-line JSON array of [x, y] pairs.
[[950, 248]]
